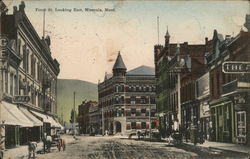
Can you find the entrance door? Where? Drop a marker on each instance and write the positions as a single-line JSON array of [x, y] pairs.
[[241, 127], [118, 127]]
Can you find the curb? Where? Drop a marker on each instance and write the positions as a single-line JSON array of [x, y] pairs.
[[215, 148]]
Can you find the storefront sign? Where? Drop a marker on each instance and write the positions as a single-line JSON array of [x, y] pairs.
[[21, 99], [236, 67]]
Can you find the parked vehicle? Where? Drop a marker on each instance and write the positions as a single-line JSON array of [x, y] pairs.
[[177, 137]]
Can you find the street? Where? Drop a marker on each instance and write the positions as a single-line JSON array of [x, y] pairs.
[[98, 147]]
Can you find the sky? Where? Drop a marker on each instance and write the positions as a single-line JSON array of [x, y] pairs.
[[86, 43]]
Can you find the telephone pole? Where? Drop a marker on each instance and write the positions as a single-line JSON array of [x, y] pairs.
[[74, 114]]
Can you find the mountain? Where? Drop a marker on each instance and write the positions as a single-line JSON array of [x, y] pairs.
[[65, 88]]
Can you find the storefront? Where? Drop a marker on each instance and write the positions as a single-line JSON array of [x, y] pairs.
[[49, 123], [223, 120], [14, 121]]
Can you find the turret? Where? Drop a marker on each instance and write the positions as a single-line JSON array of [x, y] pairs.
[[119, 68], [167, 37]]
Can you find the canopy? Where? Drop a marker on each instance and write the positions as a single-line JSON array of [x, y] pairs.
[[36, 122], [11, 115], [47, 119]]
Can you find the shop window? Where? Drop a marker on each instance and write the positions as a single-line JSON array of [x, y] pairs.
[[128, 126], [153, 125], [133, 125], [143, 125]]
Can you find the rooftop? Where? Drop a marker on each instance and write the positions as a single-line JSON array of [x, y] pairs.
[[141, 71]]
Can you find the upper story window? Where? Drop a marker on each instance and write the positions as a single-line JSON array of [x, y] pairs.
[[132, 100], [143, 100]]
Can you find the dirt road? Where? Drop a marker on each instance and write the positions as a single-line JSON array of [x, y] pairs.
[[117, 148]]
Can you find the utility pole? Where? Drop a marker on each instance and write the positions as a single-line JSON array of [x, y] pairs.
[[150, 130], [74, 114], [178, 88], [102, 122]]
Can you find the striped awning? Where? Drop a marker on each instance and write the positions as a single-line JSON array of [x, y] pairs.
[[12, 115], [32, 118]]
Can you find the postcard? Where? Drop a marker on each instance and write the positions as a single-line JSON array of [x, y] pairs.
[[124, 79]]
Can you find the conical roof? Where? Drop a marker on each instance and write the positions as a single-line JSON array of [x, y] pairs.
[[167, 34], [119, 64]]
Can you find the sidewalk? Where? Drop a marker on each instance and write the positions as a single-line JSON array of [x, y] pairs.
[[22, 151], [223, 146]]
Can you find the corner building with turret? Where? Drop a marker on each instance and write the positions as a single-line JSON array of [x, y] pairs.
[[127, 100]]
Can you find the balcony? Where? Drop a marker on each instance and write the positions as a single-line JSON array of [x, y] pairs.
[[238, 85]]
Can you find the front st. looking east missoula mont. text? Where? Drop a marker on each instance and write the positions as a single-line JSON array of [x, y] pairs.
[[75, 9]]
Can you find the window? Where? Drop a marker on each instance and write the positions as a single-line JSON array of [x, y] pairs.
[[28, 61], [153, 125], [19, 46], [152, 100], [24, 57], [143, 100], [138, 112], [150, 88], [116, 88], [143, 125], [218, 83], [133, 111], [132, 100], [15, 83], [116, 100], [143, 110], [11, 84], [128, 126], [140, 88], [133, 125], [6, 81], [212, 85]]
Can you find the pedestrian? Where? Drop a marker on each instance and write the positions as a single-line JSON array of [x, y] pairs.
[[44, 142], [32, 149], [187, 133], [139, 134], [48, 141]]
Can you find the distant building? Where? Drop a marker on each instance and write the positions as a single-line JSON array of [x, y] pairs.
[[127, 98], [84, 117], [175, 81], [28, 82], [94, 119]]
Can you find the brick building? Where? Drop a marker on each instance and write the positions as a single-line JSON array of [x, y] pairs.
[[229, 92], [28, 82], [85, 119], [194, 67], [127, 98], [174, 64]]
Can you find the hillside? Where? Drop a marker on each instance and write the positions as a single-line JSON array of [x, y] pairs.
[[65, 88]]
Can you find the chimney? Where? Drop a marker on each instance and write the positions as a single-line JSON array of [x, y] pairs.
[[22, 6], [206, 40]]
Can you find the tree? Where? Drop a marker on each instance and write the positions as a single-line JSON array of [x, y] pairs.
[[73, 116]]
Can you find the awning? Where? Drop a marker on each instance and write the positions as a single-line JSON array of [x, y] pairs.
[[46, 119], [36, 122], [11, 115]]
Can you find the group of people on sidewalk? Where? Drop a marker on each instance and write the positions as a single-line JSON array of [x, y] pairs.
[[193, 135]]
